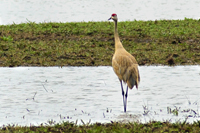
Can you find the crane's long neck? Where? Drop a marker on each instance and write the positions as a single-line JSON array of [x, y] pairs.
[[118, 43]]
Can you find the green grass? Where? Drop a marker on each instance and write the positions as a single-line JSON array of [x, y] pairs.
[[167, 42], [113, 127]]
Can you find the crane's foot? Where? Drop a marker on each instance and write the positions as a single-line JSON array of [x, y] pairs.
[[124, 109], [125, 103]]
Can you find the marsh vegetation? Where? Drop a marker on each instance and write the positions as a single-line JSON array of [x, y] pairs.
[[167, 42]]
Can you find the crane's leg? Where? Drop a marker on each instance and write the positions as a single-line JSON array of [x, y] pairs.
[[126, 96], [123, 96]]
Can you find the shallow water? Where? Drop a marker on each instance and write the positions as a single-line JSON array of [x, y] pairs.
[[34, 95], [15, 11]]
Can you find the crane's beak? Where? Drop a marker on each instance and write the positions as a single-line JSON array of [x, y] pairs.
[[110, 18]]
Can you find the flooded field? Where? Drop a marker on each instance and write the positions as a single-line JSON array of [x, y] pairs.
[[13, 11], [34, 95]]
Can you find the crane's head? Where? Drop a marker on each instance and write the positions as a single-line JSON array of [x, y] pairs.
[[113, 17]]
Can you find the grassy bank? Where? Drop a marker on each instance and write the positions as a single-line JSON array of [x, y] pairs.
[[167, 42], [108, 128]]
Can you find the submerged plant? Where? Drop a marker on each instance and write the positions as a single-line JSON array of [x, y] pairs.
[[173, 111]]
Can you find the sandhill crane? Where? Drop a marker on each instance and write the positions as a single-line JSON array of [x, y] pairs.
[[124, 64]]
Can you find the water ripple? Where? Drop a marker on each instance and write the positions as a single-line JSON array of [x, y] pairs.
[[38, 94]]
